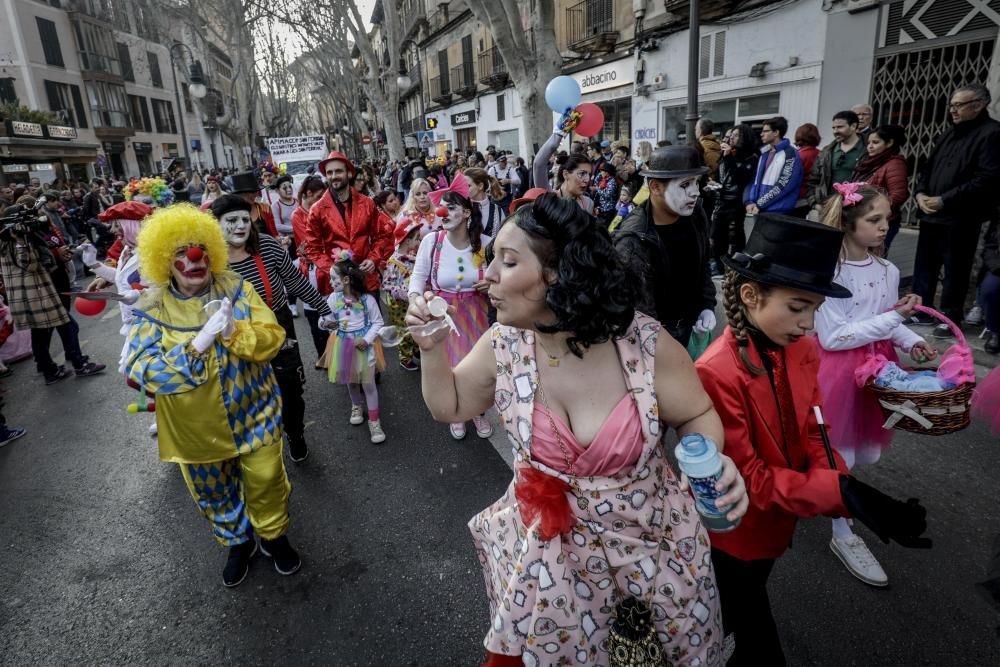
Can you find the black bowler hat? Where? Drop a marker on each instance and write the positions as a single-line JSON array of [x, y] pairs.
[[245, 181], [674, 162], [789, 252], [228, 204]]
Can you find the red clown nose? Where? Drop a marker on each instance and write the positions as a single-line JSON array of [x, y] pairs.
[[194, 254], [441, 212]]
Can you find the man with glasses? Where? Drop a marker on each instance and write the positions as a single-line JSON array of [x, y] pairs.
[[956, 192], [865, 117], [775, 188]]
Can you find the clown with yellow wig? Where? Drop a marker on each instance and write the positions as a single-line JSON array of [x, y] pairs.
[[201, 340]]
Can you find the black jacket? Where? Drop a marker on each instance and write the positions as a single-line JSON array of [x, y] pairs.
[[964, 170], [735, 174], [642, 251]]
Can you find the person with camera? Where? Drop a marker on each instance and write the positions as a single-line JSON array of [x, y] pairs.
[[32, 266]]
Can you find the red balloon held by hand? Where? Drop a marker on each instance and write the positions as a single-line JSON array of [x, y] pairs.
[[194, 253], [591, 119], [441, 211]]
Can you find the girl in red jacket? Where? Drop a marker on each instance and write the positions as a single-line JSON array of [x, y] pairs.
[[762, 376]]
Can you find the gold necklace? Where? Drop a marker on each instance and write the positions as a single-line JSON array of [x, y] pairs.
[[553, 360]]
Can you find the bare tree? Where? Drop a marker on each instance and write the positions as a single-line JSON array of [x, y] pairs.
[[280, 95], [531, 65]]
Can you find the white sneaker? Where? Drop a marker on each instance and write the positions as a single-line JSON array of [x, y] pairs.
[[375, 428], [357, 419], [975, 316], [457, 431], [858, 560], [152, 429], [295, 310], [484, 428]]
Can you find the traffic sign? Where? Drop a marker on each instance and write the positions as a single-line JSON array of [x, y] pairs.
[[366, 139], [432, 123]]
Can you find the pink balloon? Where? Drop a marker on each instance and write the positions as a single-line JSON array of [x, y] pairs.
[[591, 119]]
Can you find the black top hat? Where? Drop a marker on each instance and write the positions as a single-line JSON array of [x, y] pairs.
[[789, 252], [245, 181], [227, 204], [674, 162]]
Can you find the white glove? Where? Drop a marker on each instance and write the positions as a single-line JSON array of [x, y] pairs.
[[705, 322], [88, 255], [216, 324], [130, 297], [327, 323], [227, 309]]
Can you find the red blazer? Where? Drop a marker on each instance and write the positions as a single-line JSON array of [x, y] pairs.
[[300, 221], [367, 235], [782, 487]]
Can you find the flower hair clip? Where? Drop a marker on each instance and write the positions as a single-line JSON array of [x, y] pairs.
[[849, 191], [342, 255]]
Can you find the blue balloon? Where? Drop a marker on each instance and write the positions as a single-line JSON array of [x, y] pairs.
[[562, 93]]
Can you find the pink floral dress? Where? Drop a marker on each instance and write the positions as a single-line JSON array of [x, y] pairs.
[[552, 601]]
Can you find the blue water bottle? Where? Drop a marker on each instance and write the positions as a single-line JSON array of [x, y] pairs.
[[699, 459]]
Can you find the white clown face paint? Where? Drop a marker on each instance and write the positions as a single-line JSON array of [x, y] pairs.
[[236, 228], [457, 216], [681, 195]]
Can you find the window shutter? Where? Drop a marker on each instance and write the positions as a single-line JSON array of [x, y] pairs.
[[144, 107], [720, 54], [706, 56], [52, 92], [81, 111], [7, 93], [50, 42]]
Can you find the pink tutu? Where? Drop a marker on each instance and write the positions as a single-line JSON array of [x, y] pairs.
[[986, 401], [470, 319], [853, 413]]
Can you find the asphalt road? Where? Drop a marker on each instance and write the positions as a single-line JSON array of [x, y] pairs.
[[104, 559]]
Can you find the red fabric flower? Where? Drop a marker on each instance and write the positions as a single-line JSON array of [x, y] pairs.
[[544, 497]]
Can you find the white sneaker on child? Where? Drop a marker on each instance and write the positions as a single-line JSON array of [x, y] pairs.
[[859, 561], [357, 419], [375, 429]]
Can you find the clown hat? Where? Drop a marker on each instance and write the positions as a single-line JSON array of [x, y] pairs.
[[404, 229]]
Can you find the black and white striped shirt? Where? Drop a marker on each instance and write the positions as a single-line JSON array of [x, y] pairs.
[[283, 277]]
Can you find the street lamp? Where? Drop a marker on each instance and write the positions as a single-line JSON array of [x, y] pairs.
[[196, 88], [403, 81]]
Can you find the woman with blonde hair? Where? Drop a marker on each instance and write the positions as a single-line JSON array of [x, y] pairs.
[[485, 191], [418, 207]]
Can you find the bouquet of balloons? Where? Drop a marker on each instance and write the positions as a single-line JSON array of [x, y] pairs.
[[153, 188], [563, 97], [268, 166]]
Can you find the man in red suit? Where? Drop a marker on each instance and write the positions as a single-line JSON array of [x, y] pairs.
[[345, 219]]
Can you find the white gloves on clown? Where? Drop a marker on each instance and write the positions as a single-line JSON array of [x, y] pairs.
[[221, 322], [705, 322]]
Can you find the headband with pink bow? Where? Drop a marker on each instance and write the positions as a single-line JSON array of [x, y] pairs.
[[849, 191], [458, 185]]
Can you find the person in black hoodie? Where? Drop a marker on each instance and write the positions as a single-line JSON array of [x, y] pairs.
[[956, 193], [664, 243], [737, 168]]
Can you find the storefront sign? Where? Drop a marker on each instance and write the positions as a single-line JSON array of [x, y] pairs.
[[45, 166], [61, 132], [22, 129], [14, 168], [464, 117], [142, 147], [170, 150], [610, 75]]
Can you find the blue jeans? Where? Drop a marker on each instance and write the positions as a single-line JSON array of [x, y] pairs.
[[989, 299]]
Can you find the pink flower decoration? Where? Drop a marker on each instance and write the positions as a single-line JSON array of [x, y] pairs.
[[849, 191]]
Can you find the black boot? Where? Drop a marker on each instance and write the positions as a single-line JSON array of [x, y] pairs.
[[286, 559], [992, 343], [298, 450], [238, 563]]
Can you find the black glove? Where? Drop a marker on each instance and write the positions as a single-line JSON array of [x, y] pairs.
[[886, 517]]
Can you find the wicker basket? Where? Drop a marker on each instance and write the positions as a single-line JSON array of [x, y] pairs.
[[930, 412]]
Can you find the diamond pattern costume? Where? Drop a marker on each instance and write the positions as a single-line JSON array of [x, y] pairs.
[[218, 413]]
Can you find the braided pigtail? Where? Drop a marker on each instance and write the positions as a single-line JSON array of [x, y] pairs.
[[737, 317]]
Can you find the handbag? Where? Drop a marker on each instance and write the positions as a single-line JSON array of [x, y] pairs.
[[632, 640]]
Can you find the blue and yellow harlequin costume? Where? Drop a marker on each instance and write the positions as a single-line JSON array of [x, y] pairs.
[[218, 413]]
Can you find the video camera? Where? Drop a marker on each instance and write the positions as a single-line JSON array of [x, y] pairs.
[[23, 220]]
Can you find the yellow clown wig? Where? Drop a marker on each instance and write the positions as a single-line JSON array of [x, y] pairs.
[[175, 227]]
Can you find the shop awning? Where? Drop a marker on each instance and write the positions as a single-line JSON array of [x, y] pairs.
[[17, 148]]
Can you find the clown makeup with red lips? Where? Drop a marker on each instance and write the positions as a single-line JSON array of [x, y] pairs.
[[191, 271]]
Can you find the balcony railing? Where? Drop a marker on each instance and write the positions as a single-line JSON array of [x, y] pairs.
[[440, 90], [590, 25], [492, 68], [463, 79], [415, 82], [412, 16], [438, 19]]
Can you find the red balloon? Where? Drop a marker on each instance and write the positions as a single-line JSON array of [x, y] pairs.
[[89, 307], [441, 212], [591, 119]]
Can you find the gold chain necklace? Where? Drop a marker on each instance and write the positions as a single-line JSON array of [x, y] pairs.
[[553, 360]]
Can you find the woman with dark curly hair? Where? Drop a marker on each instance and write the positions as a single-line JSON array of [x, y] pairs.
[[595, 515]]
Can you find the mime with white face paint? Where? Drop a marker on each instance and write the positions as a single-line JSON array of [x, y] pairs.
[[665, 244], [264, 262]]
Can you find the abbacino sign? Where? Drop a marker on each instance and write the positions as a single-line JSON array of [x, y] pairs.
[[597, 79], [610, 75], [464, 117]]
